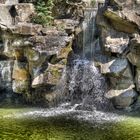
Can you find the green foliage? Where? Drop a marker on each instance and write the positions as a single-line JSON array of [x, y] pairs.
[[93, 2], [43, 12]]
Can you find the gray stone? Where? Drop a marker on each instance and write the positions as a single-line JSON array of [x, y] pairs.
[[52, 76], [20, 71], [5, 17], [122, 98], [123, 81], [137, 79], [8, 50], [124, 3], [138, 2], [113, 41], [36, 60], [20, 86], [134, 59], [20, 42], [23, 13], [52, 43], [125, 21], [137, 104], [9, 2], [115, 66], [134, 55], [26, 29]]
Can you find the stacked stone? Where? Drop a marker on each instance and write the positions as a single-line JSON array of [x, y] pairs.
[[119, 24], [13, 24], [32, 58]]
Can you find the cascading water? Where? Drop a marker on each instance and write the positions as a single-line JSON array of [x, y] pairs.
[[88, 27], [87, 86], [83, 83]]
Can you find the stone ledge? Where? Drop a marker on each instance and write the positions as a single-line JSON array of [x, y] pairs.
[[23, 28], [12, 14]]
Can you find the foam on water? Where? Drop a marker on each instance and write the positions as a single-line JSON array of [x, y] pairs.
[[70, 112]]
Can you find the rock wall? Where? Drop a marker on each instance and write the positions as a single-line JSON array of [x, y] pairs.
[[118, 59], [32, 58]]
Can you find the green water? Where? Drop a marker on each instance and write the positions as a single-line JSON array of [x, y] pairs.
[[64, 128]]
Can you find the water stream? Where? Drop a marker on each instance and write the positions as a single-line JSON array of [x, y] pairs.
[[86, 85]]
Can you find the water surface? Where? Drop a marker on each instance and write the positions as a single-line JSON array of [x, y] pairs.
[[33, 124]]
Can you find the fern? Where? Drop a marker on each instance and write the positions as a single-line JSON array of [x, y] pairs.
[[44, 12]]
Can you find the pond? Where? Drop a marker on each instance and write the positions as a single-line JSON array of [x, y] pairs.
[[40, 124]]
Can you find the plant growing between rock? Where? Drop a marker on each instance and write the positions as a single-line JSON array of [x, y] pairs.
[[43, 12], [93, 2]]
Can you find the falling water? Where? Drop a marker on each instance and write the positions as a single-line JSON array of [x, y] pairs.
[[88, 26], [87, 86]]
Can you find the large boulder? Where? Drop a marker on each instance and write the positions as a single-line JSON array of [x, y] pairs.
[[122, 98], [25, 29], [51, 76], [126, 20], [54, 48], [20, 71], [37, 61], [21, 86], [134, 55], [5, 17], [113, 41], [123, 81], [9, 1], [7, 49], [125, 3], [12, 14], [114, 66], [13, 47], [110, 39], [24, 12], [52, 42], [137, 79], [129, 4], [21, 78], [134, 59]]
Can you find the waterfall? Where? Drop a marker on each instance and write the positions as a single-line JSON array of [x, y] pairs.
[[82, 86], [86, 85], [88, 27]]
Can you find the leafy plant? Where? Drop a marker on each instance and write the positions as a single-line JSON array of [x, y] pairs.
[[43, 12], [93, 2]]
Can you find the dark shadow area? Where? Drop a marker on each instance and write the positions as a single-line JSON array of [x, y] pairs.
[[14, 14]]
